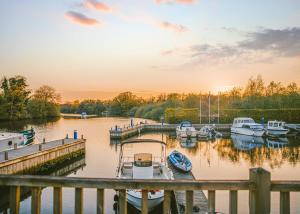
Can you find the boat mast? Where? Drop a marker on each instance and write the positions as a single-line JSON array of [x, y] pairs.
[[209, 107], [218, 107], [200, 109]]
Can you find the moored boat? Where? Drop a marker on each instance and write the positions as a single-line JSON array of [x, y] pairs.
[[9, 139], [186, 130], [247, 126], [276, 128], [208, 132], [180, 161], [144, 166]]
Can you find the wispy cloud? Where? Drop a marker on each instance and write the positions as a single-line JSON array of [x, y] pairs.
[[174, 27], [96, 5], [80, 18], [175, 1], [261, 46]]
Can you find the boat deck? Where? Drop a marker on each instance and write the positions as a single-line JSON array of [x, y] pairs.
[[200, 200], [127, 171]]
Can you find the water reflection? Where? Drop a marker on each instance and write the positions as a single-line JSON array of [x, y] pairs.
[[245, 142]]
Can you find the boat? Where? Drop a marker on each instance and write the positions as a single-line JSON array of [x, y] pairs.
[[247, 126], [208, 132], [180, 161], [144, 166], [9, 139], [276, 128], [246, 142], [186, 130]]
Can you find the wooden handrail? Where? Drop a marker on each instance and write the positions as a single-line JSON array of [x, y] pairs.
[[114, 183], [285, 186]]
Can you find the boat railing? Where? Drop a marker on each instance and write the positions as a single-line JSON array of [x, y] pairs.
[[259, 186], [126, 159]]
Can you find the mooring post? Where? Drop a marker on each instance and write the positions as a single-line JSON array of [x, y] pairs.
[[82, 136], [63, 141], [40, 147], [67, 136], [44, 140], [15, 146], [6, 155], [260, 197]]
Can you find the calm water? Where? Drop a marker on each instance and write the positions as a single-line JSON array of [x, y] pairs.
[[221, 159]]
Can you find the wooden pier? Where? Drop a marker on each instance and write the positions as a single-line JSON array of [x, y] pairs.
[[200, 203], [28, 157], [130, 131], [259, 186]]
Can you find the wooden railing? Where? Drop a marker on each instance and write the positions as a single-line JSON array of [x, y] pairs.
[[259, 186]]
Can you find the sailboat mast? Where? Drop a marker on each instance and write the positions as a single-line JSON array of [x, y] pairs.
[[209, 107]]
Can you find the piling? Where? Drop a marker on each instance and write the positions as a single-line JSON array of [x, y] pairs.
[[6, 155], [15, 146], [40, 147]]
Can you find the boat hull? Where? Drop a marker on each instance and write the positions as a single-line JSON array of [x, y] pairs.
[[137, 201], [277, 132], [246, 131]]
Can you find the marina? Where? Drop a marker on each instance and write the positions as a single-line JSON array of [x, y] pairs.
[[209, 158]]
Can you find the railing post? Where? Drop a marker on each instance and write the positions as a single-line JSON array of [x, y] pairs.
[[260, 198], [211, 201], [40, 147], [78, 201], [167, 202], [6, 155], [57, 200], [233, 199], [63, 141], [36, 200], [284, 202], [144, 201], [100, 201], [122, 201], [14, 200], [189, 198], [15, 146]]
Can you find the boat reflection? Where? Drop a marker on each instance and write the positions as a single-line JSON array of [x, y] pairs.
[[245, 142], [275, 143], [188, 143]]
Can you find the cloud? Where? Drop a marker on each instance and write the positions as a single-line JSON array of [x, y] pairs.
[[79, 18], [94, 4], [261, 46], [174, 27], [175, 1]]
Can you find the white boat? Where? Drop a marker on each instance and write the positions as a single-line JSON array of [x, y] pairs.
[[144, 166], [247, 126], [208, 132], [8, 139], [276, 128], [186, 130]]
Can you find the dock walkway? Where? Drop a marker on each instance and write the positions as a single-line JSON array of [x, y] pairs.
[[200, 200]]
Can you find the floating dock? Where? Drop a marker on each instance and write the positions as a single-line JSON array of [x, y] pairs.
[[35, 155], [200, 204], [130, 131]]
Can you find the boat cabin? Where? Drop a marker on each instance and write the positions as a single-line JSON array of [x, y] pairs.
[[276, 124]]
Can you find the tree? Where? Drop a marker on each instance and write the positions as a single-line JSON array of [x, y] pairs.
[[122, 103], [15, 97], [44, 103]]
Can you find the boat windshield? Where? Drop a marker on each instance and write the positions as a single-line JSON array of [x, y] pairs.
[[186, 124], [143, 159], [248, 121]]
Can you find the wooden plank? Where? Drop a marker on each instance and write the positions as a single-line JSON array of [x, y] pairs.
[[100, 201], [114, 183], [36, 193], [14, 200], [57, 200], [260, 198], [189, 201], [285, 186], [211, 201], [284, 202], [167, 202], [233, 202], [123, 201], [78, 200], [144, 201]]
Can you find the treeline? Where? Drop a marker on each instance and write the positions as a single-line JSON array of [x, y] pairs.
[[256, 96], [18, 102]]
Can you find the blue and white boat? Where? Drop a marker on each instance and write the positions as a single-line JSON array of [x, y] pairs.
[[186, 130], [180, 161]]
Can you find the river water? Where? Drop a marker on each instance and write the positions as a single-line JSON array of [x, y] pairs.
[[229, 158]]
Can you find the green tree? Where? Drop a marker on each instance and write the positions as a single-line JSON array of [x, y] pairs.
[[15, 96], [121, 104]]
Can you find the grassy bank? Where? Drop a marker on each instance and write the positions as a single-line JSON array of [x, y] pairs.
[[176, 115]]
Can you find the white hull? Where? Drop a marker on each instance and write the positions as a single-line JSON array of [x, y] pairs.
[[247, 131], [277, 132], [137, 201], [9, 139], [185, 134]]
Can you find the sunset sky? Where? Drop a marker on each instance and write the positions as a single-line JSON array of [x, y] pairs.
[[149, 46]]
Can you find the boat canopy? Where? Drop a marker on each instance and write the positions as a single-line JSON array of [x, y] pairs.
[[185, 124]]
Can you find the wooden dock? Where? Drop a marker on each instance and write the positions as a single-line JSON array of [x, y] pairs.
[[31, 156], [78, 116], [200, 204], [125, 132]]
